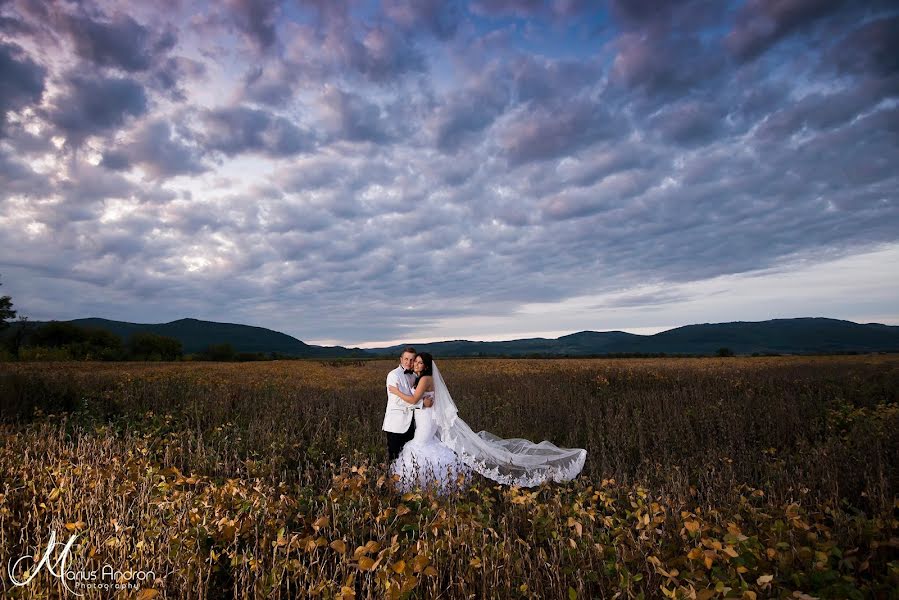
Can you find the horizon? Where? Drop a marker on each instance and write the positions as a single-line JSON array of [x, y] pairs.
[[357, 173], [537, 335]]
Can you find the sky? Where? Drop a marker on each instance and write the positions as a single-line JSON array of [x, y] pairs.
[[368, 173]]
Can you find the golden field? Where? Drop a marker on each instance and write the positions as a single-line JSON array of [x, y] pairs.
[[705, 478]]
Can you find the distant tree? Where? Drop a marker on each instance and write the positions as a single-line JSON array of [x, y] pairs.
[[724, 352], [220, 352], [6, 311], [56, 334], [102, 344], [81, 343], [17, 339], [151, 346], [103, 338]]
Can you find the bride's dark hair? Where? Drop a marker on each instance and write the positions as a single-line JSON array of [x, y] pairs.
[[427, 359]]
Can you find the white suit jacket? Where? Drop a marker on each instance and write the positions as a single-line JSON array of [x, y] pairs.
[[398, 416]]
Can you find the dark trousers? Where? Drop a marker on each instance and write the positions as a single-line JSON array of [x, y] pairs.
[[396, 441]]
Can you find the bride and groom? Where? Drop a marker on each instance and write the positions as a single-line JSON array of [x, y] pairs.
[[430, 445]]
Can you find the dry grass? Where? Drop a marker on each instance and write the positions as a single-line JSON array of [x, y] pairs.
[[705, 478]]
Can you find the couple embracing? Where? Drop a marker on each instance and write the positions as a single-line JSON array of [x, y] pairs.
[[429, 445]]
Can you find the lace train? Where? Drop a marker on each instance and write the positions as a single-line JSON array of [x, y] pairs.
[[445, 451], [429, 465]]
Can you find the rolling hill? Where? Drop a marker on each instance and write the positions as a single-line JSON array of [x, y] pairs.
[[779, 336], [196, 335]]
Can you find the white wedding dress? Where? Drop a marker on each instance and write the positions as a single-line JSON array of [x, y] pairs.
[[444, 451], [425, 462]]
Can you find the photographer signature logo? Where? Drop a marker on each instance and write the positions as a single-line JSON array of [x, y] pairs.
[[26, 568]]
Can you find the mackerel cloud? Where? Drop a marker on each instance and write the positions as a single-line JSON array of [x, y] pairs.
[[355, 170]]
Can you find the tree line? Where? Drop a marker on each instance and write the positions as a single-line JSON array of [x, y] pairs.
[[21, 339], [58, 340], [66, 341]]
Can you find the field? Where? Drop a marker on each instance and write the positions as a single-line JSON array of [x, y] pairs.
[[705, 478]]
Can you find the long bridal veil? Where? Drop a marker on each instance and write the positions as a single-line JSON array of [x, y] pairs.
[[508, 461]]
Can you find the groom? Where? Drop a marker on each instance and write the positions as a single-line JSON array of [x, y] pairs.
[[398, 421]]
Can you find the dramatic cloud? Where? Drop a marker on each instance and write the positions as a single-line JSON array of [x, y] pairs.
[[688, 123], [255, 18], [416, 169], [96, 105], [22, 82], [551, 131], [465, 114], [872, 47], [761, 23], [122, 43], [521, 8], [239, 129], [269, 86], [662, 66], [352, 117], [437, 16], [155, 147], [19, 179]]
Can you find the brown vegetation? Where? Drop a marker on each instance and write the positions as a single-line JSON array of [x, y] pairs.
[[749, 477]]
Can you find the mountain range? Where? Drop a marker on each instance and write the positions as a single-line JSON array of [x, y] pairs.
[[195, 336], [778, 336]]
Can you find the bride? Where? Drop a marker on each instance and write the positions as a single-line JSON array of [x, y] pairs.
[[445, 450]]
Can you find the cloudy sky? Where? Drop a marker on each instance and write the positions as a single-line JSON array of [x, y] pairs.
[[363, 173]]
